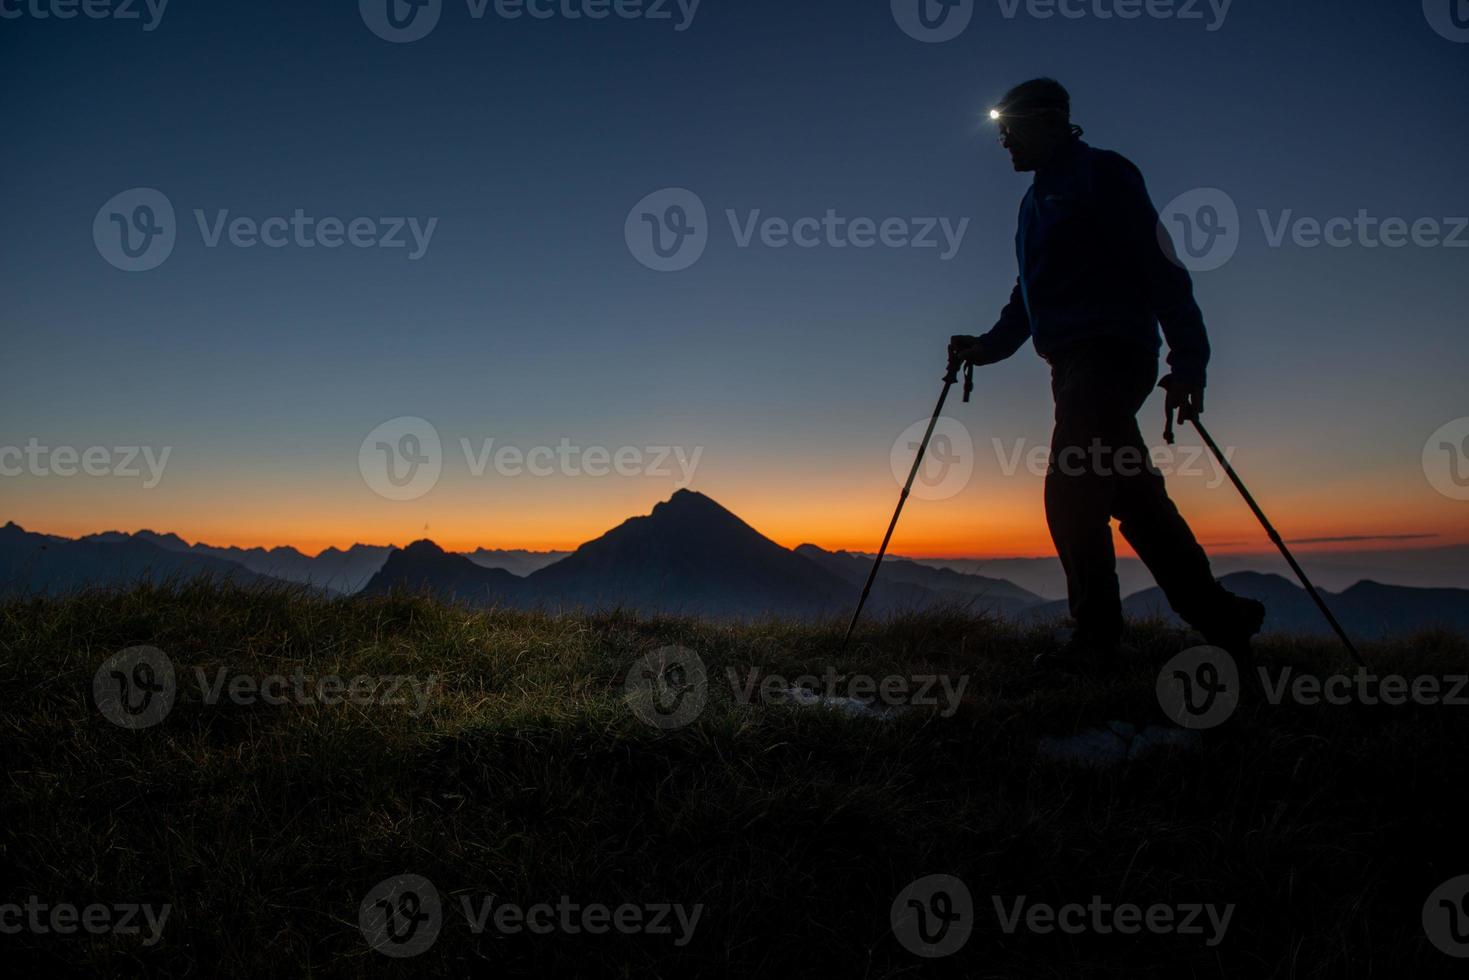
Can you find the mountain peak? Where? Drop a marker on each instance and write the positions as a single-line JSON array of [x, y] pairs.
[[689, 500], [689, 510], [163, 540], [423, 548]]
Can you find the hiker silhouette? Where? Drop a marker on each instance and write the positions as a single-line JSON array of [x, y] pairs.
[[1096, 281]]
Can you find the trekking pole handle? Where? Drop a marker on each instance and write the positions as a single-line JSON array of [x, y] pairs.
[[952, 375]]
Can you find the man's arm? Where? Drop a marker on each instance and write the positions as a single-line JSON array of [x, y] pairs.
[[1002, 340], [1170, 290]]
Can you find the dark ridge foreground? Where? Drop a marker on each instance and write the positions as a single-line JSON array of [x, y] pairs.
[[530, 778]]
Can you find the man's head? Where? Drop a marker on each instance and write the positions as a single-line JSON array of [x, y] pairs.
[[1034, 119]]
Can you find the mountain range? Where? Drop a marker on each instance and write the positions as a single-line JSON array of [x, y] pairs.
[[690, 556], [333, 570], [1434, 566]]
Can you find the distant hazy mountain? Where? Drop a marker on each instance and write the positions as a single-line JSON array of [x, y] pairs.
[[334, 570], [425, 567], [905, 584], [1445, 566], [42, 564], [1367, 610], [516, 560]]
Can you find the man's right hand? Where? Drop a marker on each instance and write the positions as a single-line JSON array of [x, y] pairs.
[[964, 349]]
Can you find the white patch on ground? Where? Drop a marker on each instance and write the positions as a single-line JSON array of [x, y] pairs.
[[855, 707], [1116, 742]]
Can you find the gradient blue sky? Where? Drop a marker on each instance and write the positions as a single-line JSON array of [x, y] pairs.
[[528, 320]]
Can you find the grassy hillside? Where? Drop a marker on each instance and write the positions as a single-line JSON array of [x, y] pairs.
[[530, 778]]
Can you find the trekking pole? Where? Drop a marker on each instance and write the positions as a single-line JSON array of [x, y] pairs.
[[950, 377], [1269, 530]]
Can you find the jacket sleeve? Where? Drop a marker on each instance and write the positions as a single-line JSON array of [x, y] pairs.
[[1170, 290], [1012, 330]]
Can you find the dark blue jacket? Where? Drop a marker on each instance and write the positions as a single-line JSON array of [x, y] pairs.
[[1092, 265]]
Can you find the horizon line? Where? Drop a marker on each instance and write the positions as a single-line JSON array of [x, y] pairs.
[[1436, 537]]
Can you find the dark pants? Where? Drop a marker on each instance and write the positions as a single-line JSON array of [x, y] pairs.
[[1100, 469]]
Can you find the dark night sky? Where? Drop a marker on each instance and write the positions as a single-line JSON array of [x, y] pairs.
[[527, 318]]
